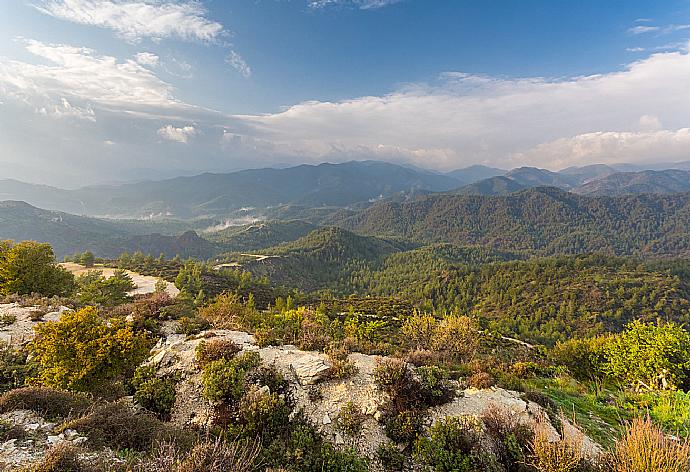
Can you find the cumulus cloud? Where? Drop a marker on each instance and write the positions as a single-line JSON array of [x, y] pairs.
[[466, 119], [147, 59], [179, 135], [613, 147], [138, 19]]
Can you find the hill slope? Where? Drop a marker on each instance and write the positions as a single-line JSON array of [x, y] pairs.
[[219, 194], [649, 181], [538, 220], [69, 234]]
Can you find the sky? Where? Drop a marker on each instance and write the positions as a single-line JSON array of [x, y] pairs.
[[95, 91]]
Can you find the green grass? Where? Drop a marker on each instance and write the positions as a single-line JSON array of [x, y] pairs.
[[598, 416]]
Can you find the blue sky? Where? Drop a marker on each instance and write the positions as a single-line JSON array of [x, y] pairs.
[[95, 90]]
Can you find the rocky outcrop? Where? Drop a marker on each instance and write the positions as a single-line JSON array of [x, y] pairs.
[[320, 397], [33, 435], [25, 318]]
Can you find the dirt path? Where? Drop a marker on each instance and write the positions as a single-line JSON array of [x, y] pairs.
[[145, 283]]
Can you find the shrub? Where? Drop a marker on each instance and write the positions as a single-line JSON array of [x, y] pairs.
[[95, 289], [118, 426], [191, 325], [452, 446], [457, 337], [7, 320], [271, 378], [350, 420], [62, 457], [220, 456], [225, 380], [83, 352], [13, 367], [229, 312], [511, 438], [391, 458], [434, 386], [11, 431], [585, 359], [265, 337], [215, 349], [644, 447], [47, 402], [395, 377], [564, 455], [419, 330], [155, 394], [341, 366], [30, 267], [653, 356], [260, 414], [420, 357], [405, 426], [481, 380]]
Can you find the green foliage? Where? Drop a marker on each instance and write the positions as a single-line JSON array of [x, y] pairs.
[[452, 446], [29, 267], [434, 386], [156, 394], [260, 415], [650, 356], [83, 352], [584, 358], [405, 426], [225, 379], [13, 367], [350, 420], [188, 280], [191, 325], [391, 458], [540, 220], [95, 289]]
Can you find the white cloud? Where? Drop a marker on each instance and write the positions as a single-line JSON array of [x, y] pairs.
[[640, 29], [361, 4], [81, 78], [64, 109], [236, 61], [613, 147], [138, 19], [147, 59], [179, 135], [467, 119]]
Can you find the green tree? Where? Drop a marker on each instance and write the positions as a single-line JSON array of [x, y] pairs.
[[95, 289], [651, 356], [188, 280], [83, 352], [584, 358], [87, 259], [30, 267]]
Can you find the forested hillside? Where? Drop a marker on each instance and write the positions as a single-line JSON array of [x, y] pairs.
[[541, 221]]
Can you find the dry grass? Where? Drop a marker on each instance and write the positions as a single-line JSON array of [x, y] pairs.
[[563, 455], [118, 426], [62, 457], [45, 401], [645, 448], [211, 455]]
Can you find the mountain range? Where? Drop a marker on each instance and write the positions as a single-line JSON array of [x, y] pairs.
[[267, 193]]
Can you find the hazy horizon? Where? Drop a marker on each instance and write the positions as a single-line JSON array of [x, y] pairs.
[[123, 90]]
